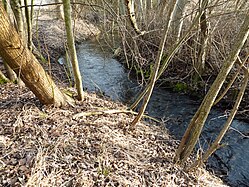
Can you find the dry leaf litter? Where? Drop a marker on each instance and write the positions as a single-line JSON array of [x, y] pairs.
[[47, 146]]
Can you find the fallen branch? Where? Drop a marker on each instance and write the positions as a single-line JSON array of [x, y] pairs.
[[111, 111]]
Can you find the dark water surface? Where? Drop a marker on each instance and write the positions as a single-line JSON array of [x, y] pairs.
[[103, 74]]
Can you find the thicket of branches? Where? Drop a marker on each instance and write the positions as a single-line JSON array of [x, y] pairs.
[[200, 42], [223, 19]]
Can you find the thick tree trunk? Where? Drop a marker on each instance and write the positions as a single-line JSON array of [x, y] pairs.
[[24, 63]]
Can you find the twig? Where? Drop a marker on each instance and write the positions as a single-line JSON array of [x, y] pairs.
[[111, 111], [242, 134]]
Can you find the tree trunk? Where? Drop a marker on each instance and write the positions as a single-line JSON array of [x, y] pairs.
[[195, 127], [15, 5], [24, 63], [177, 20], [28, 23], [203, 39], [156, 66], [10, 73], [131, 11], [71, 47], [216, 145]]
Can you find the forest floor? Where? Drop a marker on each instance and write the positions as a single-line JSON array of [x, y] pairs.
[[85, 145]]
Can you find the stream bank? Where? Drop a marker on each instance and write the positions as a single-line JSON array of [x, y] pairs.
[[115, 78], [42, 145], [105, 76]]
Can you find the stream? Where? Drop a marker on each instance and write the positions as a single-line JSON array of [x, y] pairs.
[[103, 74]]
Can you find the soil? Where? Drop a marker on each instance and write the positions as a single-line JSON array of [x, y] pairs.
[[85, 145]]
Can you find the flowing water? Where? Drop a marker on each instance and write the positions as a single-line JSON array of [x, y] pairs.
[[103, 74]]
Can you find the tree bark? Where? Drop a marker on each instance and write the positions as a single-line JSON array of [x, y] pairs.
[[24, 63], [132, 17], [15, 6], [203, 39], [9, 72]]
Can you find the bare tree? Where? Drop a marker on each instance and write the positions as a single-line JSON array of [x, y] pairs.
[[177, 20], [15, 6], [216, 145], [203, 39], [28, 24], [195, 127], [71, 45], [24, 63], [156, 66]]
